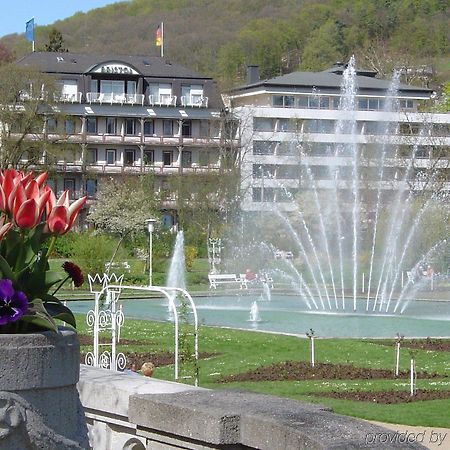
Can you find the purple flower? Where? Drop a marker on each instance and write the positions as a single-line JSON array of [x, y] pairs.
[[13, 304]]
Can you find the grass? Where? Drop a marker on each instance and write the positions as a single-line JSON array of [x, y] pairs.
[[239, 351]]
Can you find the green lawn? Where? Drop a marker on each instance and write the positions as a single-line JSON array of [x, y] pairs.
[[239, 351]]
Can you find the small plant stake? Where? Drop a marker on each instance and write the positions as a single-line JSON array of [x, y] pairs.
[[311, 336], [413, 375], [398, 341]]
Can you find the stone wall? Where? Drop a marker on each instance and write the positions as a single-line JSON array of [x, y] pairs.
[[126, 411]]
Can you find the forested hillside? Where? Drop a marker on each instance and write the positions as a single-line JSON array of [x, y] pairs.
[[220, 37]]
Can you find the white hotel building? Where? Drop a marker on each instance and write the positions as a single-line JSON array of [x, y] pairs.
[[133, 115], [288, 124]]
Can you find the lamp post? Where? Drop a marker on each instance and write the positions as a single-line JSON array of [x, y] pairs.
[[150, 227], [214, 252]]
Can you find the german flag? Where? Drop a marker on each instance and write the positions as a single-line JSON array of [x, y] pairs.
[[159, 36]]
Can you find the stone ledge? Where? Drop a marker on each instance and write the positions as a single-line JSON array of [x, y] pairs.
[[225, 419], [259, 421], [109, 392]]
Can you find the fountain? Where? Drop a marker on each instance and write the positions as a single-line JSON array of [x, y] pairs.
[[254, 313], [361, 243], [177, 271], [176, 277]]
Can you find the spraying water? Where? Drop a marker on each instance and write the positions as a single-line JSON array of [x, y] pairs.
[[177, 270]]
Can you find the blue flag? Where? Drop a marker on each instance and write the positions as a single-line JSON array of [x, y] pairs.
[[29, 30]]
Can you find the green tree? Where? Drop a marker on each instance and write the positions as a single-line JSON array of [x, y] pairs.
[[55, 42], [123, 205], [26, 103]]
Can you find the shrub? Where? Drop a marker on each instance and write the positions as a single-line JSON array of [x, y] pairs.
[[92, 251], [190, 253]]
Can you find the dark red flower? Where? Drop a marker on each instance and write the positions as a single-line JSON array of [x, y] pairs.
[[74, 272]]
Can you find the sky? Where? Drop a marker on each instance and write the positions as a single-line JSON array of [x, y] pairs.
[[16, 13]]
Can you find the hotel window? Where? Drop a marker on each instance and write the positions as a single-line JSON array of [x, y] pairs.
[[130, 126], [111, 125], [203, 158], [69, 185], [110, 156], [288, 148], [51, 124], [69, 89], [288, 172], [268, 194], [256, 194], [263, 124], [186, 128], [264, 147], [167, 158], [91, 125], [149, 157], [186, 158], [288, 125], [319, 126], [69, 126], [161, 93], [284, 101], [91, 157], [149, 128], [131, 87], [324, 102], [114, 87], [91, 188], [314, 102], [263, 170], [406, 104], [167, 127], [94, 85], [191, 95], [129, 157]]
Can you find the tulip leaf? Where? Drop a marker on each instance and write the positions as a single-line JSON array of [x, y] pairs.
[[38, 316], [5, 269], [61, 312], [37, 237], [52, 277]]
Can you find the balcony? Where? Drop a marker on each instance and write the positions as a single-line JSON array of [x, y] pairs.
[[162, 100], [69, 98], [194, 100], [112, 98]]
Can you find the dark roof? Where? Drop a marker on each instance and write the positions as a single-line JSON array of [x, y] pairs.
[[328, 79], [79, 63]]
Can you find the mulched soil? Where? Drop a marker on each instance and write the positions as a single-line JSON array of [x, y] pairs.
[[438, 345], [302, 370], [158, 359], [387, 397], [88, 340]]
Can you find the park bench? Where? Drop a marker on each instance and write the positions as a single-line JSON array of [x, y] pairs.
[[224, 278], [125, 266], [261, 279]]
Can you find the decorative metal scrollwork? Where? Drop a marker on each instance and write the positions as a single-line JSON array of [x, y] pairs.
[[89, 359], [90, 318], [105, 360], [121, 361]]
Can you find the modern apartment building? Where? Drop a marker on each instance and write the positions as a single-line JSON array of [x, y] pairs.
[[293, 131], [129, 114]]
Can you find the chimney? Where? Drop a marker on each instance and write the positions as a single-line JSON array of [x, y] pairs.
[[252, 74]]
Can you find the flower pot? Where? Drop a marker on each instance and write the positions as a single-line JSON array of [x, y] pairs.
[[39, 403]]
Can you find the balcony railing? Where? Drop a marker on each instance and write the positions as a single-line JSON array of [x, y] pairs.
[[194, 100], [69, 98], [112, 98], [162, 100]]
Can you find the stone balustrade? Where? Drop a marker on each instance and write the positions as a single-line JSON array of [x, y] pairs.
[[126, 411]]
